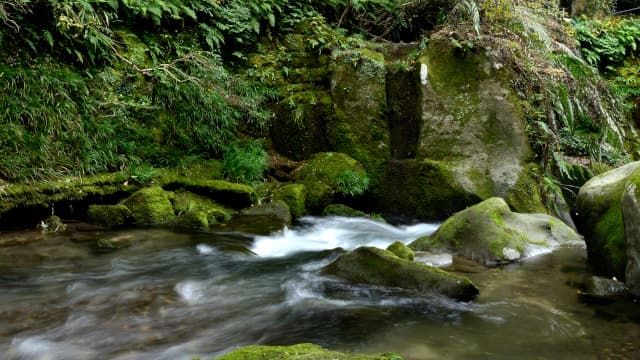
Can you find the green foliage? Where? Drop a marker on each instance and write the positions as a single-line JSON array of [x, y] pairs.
[[352, 183], [244, 162]]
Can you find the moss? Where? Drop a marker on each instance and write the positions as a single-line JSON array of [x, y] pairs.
[[234, 195], [298, 352], [277, 209], [327, 168], [374, 266], [193, 220], [109, 215], [299, 126], [342, 210], [187, 202], [115, 242], [490, 233], [320, 195], [359, 127], [401, 250], [295, 196], [151, 206], [525, 195]]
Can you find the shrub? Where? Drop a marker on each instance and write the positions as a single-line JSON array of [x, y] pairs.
[[352, 183], [244, 162]]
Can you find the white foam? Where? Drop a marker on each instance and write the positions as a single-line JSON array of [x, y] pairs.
[[191, 292], [332, 232], [203, 249]]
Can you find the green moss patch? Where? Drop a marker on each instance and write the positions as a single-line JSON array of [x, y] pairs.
[[401, 250], [295, 196], [109, 215], [151, 206], [298, 352]]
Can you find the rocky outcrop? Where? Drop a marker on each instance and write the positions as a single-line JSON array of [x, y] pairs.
[[369, 265], [401, 250], [491, 233], [298, 352], [608, 218]]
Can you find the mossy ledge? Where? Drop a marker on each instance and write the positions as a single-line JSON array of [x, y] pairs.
[[298, 352]]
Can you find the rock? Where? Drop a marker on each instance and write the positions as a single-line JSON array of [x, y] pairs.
[[401, 250], [490, 233], [237, 196], [298, 352], [277, 209], [328, 167], [342, 210], [602, 290], [358, 126], [196, 212], [151, 206], [52, 224], [295, 196], [320, 195], [601, 219], [631, 216], [115, 242], [109, 215], [472, 143], [369, 265]]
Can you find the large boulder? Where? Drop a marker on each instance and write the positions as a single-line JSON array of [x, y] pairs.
[[295, 196], [608, 218], [328, 168], [277, 210], [298, 352], [358, 126], [491, 233], [472, 143], [369, 265], [198, 212], [631, 215]]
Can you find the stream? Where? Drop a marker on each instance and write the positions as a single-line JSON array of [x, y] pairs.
[[187, 295]]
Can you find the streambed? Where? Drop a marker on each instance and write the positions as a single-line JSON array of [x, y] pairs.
[[180, 296]]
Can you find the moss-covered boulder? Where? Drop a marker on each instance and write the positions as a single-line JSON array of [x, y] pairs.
[[151, 206], [234, 195], [342, 210], [295, 196], [109, 215], [369, 265], [491, 233], [602, 219], [277, 209], [298, 352], [358, 126], [328, 168], [196, 212], [631, 215], [319, 196], [401, 250], [472, 143], [299, 125]]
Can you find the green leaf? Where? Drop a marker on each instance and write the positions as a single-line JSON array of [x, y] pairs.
[[49, 37]]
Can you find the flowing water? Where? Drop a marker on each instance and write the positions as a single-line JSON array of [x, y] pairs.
[[180, 296]]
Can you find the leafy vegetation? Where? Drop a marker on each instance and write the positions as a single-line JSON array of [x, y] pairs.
[[244, 162], [352, 183]]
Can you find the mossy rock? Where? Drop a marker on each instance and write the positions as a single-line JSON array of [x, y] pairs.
[[295, 196], [424, 189], [328, 167], [490, 233], [276, 209], [358, 126], [151, 206], [299, 125], [524, 196], [320, 195], [401, 250], [631, 215], [298, 352], [234, 195], [109, 215], [187, 202], [600, 219], [193, 220], [369, 265], [472, 129], [342, 210]]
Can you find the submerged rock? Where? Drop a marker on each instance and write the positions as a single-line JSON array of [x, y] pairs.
[[369, 265], [490, 233], [401, 250], [151, 206], [608, 218], [115, 242], [298, 352]]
